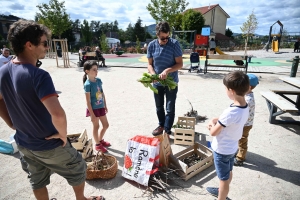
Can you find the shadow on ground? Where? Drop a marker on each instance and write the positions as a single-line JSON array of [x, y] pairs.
[[265, 165], [212, 75]]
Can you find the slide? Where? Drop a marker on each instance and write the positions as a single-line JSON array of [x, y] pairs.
[[219, 51], [275, 46]]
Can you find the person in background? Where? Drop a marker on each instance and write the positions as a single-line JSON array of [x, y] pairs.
[[145, 48], [5, 57], [212, 45], [296, 46], [1, 50], [100, 56]]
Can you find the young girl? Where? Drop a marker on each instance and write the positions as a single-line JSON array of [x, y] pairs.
[[96, 103]]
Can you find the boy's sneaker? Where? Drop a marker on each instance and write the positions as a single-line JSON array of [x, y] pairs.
[[158, 131], [214, 191], [100, 147], [105, 143], [238, 162], [169, 132]]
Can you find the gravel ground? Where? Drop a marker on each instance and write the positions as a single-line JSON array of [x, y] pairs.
[[273, 163]]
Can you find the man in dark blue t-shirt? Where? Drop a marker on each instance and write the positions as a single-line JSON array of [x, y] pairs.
[[164, 58], [29, 104]]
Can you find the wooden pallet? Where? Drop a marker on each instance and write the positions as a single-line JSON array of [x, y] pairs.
[[81, 140]]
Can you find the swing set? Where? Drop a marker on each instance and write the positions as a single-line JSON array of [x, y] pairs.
[[182, 41]]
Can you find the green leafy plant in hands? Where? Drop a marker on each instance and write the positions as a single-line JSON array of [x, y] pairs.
[[148, 79]]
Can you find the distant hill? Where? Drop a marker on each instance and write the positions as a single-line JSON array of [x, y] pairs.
[[151, 29], [236, 34]]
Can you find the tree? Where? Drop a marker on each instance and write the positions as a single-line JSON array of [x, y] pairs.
[[248, 28], [115, 27], [76, 25], [178, 22], [103, 43], [148, 36], [129, 33], [229, 33], [192, 20], [86, 32], [54, 16], [139, 30], [69, 34], [166, 10], [284, 37], [122, 35]]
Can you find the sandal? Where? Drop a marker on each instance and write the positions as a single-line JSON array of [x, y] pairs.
[[97, 198]]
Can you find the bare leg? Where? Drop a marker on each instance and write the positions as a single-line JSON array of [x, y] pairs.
[[95, 131], [224, 188], [105, 126], [79, 191], [41, 194]]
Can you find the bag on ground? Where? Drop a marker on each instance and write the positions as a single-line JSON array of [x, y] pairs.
[[141, 158]]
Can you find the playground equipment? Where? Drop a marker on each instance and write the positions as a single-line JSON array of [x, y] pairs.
[[219, 51], [176, 34], [202, 41], [274, 38], [55, 49]]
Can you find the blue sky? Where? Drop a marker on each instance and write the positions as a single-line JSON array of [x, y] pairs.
[[128, 11]]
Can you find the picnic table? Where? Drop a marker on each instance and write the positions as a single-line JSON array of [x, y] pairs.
[[279, 99], [293, 81]]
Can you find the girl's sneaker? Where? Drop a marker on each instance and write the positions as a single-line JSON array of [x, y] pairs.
[[100, 147], [104, 143]]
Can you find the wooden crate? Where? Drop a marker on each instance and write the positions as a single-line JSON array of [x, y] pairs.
[[88, 149], [185, 172], [187, 122], [81, 140], [185, 135]]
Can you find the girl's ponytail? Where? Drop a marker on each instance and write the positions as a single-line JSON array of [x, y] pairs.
[[84, 78]]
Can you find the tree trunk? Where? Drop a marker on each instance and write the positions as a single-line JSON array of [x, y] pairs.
[[246, 41]]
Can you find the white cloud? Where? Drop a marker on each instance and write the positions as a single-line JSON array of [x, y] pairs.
[[128, 11]]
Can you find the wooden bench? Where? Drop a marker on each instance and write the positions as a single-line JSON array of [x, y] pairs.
[[226, 57], [91, 55], [275, 101]]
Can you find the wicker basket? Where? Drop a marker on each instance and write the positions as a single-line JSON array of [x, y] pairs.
[[108, 173]]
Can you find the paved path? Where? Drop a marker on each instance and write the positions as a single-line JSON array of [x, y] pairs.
[[262, 61]]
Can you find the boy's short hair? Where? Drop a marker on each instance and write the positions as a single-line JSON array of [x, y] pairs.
[[237, 81]]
